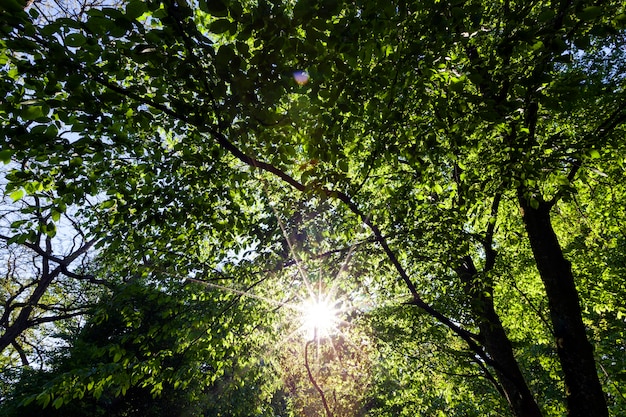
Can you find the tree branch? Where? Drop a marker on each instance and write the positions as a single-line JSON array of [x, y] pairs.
[[20, 351], [313, 381], [227, 145], [51, 319], [603, 130]]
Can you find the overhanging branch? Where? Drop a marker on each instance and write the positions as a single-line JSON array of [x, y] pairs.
[[604, 129]]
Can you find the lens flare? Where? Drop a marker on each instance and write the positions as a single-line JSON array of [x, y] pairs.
[[301, 77], [319, 318]]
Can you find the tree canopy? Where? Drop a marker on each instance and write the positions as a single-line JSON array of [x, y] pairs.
[[447, 175]]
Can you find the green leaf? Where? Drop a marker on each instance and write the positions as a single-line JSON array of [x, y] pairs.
[[590, 13], [18, 223], [534, 203], [32, 112], [58, 403], [12, 6], [17, 195], [99, 25], [55, 215], [50, 229], [135, 8], [5, 155], [223, 59], [214, 7], [33, 12], [562, 180], [44, 399], [75, 40], [28, 400], [546, 14], [221, 26], [594, 154]]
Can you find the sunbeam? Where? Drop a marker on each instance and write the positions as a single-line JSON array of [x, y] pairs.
[[316, 342], [319, 318]]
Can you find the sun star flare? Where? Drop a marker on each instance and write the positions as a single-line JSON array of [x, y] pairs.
[[319, 318]]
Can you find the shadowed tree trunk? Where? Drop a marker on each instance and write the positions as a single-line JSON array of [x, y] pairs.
[[494, 338], [582, 386]]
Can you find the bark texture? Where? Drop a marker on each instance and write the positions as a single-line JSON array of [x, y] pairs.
[[495, 340], [583, 390]]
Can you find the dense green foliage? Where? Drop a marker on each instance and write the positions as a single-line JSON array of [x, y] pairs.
[[110, 367], [452, 173]]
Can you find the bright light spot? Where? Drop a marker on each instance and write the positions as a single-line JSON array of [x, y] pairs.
[[319, 319], [301, 77]]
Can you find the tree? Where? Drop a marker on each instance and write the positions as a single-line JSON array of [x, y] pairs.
[[45, 277], [448, 144], [43, 286], [111, 365]]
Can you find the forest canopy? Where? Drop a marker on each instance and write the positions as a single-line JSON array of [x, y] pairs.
[[190, 186]]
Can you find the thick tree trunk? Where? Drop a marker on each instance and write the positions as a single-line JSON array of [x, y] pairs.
[[496, 342], [499, 347], [582, 385]]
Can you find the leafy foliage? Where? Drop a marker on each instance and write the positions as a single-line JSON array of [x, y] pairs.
[[149, 351], [458, 164]]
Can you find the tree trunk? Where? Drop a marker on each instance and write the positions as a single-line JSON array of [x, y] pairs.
[[582, 385], [495, 340]]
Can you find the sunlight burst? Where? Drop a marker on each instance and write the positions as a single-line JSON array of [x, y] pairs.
[[319, 318]]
